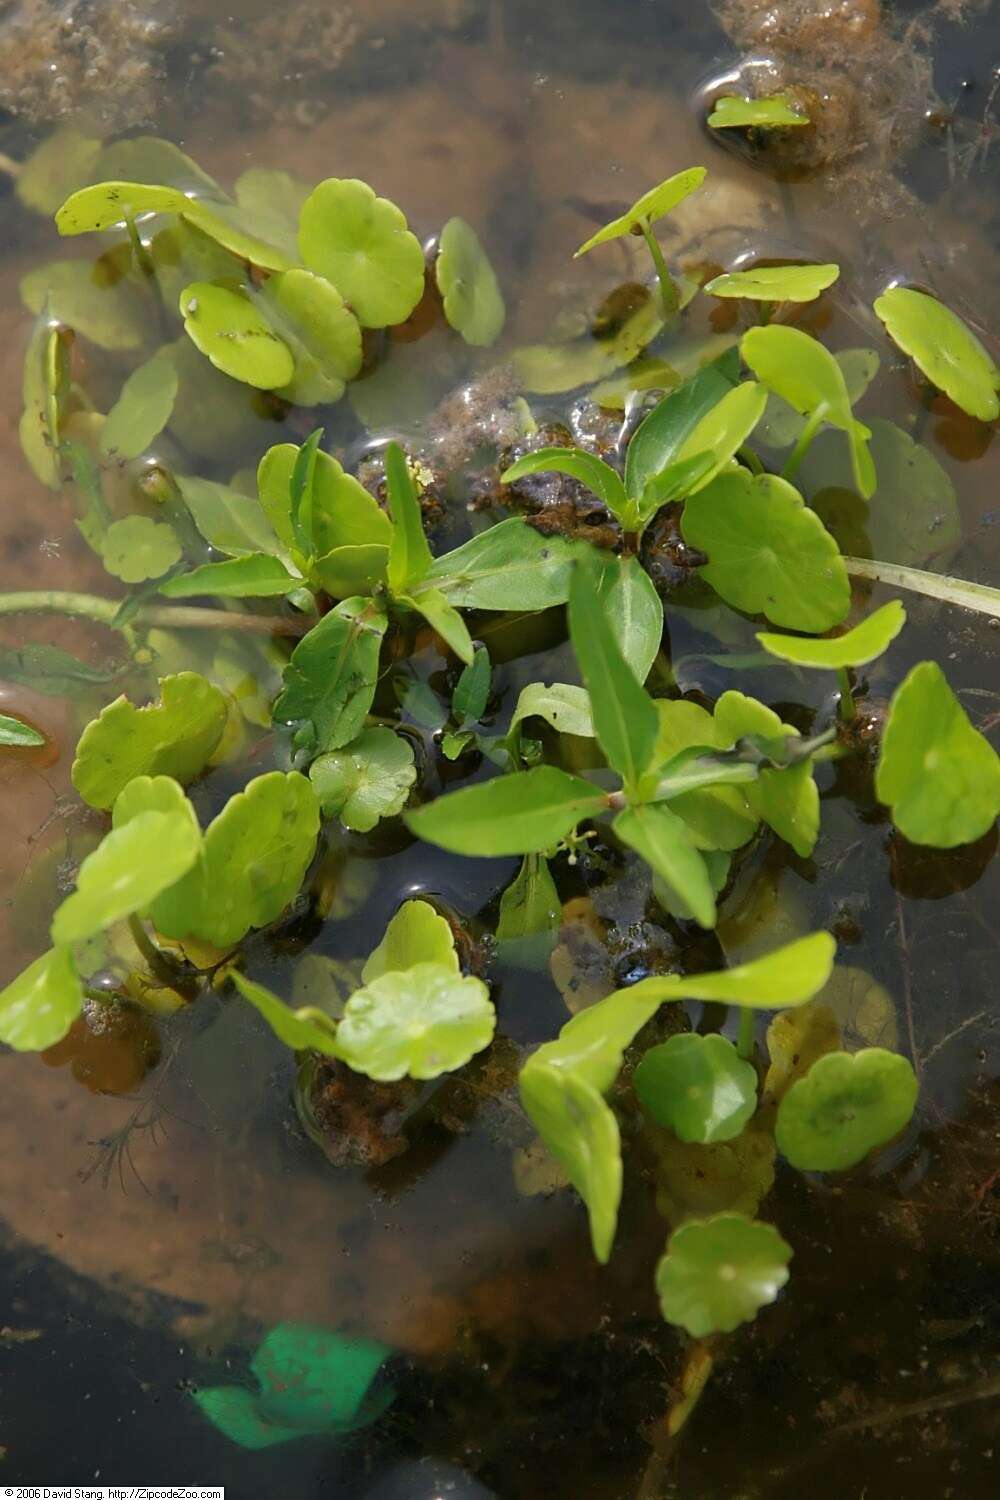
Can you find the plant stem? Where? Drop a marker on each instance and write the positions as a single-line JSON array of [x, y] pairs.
[[809, 431], [159, 965], [846, 708], [139, 250], [167, 616], [978, 596], [744, 1043], [749, 457], [668, 291], [9, 165]]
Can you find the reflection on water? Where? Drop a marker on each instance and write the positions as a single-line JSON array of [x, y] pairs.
[[164, 1207]]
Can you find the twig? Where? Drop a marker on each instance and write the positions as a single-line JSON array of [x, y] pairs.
[[977, 596], [986, 1390]]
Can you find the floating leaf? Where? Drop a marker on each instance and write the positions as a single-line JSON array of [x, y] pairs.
[[418, 1024], [111, 315], [847, 1104], [174, 737], [600, 478], [944, 348], [16, 733], [473, 302], [767, 553], [855, 648], [730, 110], [252, 862], [697, 1086], [788, 799], [362, 244], [650, 207], [718, 1273], [128, 869], [508, 567], [774, 283], [142, 410], [330, 680], [417, 934], [795, 1039], [320, 330], [664, 841], [137, 547], [367, 780], [937, 774], [225, 326], [108, 204], [255, 576], [582, 1134], [526, 813], [41, 1004], [300, 1029], [781, 425], [565, 707]]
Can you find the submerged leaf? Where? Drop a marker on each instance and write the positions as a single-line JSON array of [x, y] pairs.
[[697, 1086], [111, 315], [330, 680], [945, 349], [367, 780], [41, 1004], [847, 1104], [774, 283], [650, 207], [225, 326], [937, 774], [473, 302], [17, 734], [526, 813], [255, 576], [142, 410], [718, 1273], [472, 690], [45, 388], [362, 244], [855, 648], [530, 913], [137, 547], [419, 1023]]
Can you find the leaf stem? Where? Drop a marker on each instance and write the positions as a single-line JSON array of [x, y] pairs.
[[668, 291], [846, 708], [159, 965], [744, 1043], [139, 250], [978, 596], [809, 431], [9, 165], [167, 616]]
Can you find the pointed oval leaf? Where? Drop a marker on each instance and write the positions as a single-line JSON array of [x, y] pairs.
[[473, 302], [417, 934], [302, 1029], [419, 1023], [582, 1134], [625, 717], [847, 1104], [730, 110], [565, 707], [472, 690], [174, 737], [633, 610], [344, 514], [723, 430], [650, 207], [41, 1004], [945, 349], [529, 916], [937, 774], [788, 799], [775, 283], [786, 977], [225, 326], [855, 648], [367, 780], [508, 567], [137, 547], [525, 813], [330, 680], [409, 553], [718, 1273], [767, 553], [662, 839], [347, 571], [362, 244], [591, 471], [697, 1086], [444, 620], [17, 734], [320, 330], [658, 439], [717, 817], [142, 410], [255, 576], [228, 520]]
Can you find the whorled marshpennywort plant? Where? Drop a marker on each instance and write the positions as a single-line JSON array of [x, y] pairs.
[[279, 294]]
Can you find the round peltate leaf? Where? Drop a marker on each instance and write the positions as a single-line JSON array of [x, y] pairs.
[[41, 1004], [938, 774], [697, 1086], [367, 780], [142, 410], [137, 548], [420, 1023], [650, 207], [768, 554], [946, 350], [72, 292], [777, 109], [473, 302], [855, 648], [361, 244], [64, 159], [847, 1104], [321, 331], [227, 328], [774, 283], [718, 1273]]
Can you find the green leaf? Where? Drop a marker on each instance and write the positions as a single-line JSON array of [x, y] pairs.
[[108, 204], [368, 780], [51, 671], [41, 1004], [137, 547], [152, 794], [650, 207], [944, 348], [409, 554], [718, 1273], [443, 619], [320, 330], [855, 648], [110, 314], [252, 862], [678, 479], [418, 1024], [417, 934], [625, 717], [272, 202], [781, 425], [344, 514], [723, 430], [786, 977], [582, 1134], [49, 174], [774, 110], [45, 389], [508, 567], [128, 869], [547, 368], [473, 302], [662, 839], [804, 373], [330, 680], [697, 1086], [229, 521], [938, 775], [525, 813], [302, 1029], [847, 1104], [589, 470], [362, 244], [657, 441], [347, 571], [225, 326], [225, 224], [15, 732], [142, 410], [565, 707], [530, 913], [318, 1381], [774, 283], [717, 817], [633, 610], [787, 800], [472, 690], [767, 553], [174, 737], [718, 864], [254, 576]]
